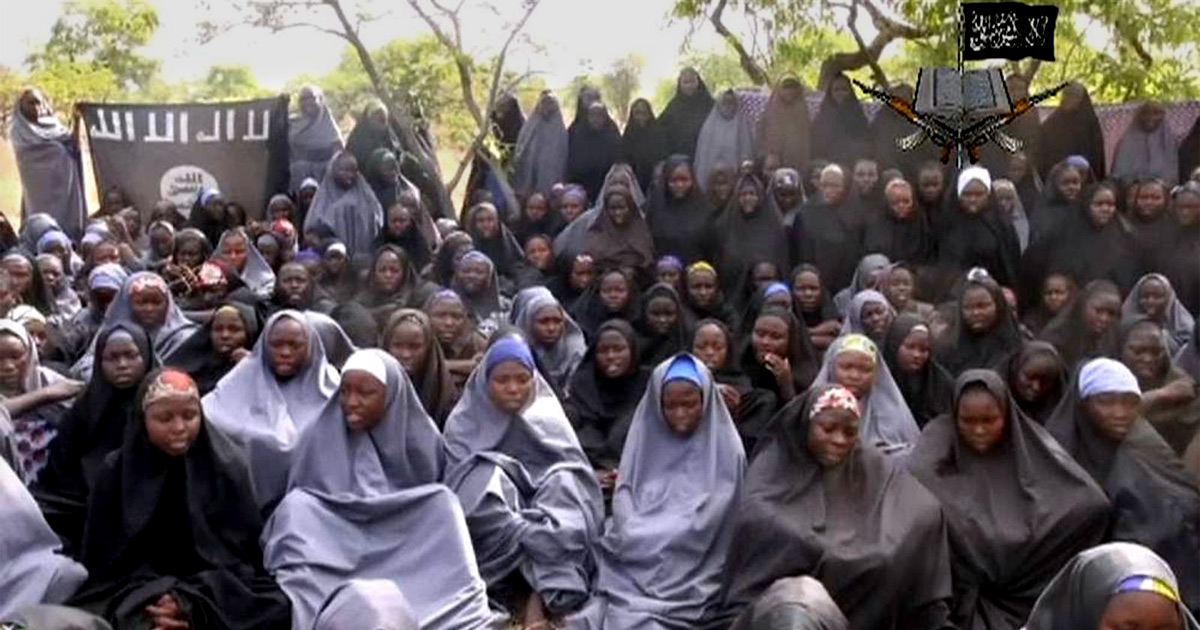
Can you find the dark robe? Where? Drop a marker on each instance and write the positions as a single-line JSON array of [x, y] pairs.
[[1038, 411], [983, 239], [503, 249], [1014, 515], [909, 240], [413, 242], [683, 117], [365, 139], [756, 407], [90, 430], [197, 357], [748, 238], [590, 311], [830, 238], [849, 527], [1086, 251], [654, 348], [601, 408], [1072, 133], [185, 525], [412, 292], [643, 146], [841, 132], [961, 349], [1189, 152], [804, 360], [525, 227], [1176, 259], [684, 228], [1154, 501], [1069, 334], [591, 152], [928, 391]]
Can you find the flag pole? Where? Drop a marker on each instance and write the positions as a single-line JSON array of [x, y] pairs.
[[958, 149]]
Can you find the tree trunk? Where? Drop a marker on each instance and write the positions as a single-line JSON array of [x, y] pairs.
[[749, 64]]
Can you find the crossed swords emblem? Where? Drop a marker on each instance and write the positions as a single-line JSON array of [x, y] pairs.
[[951, 134]]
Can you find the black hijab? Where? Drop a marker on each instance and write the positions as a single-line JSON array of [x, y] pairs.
[[434, 384], [90, 430], [928, 391], [601, 408], [980, 239], [1155, 502], [962, 349], [847, 526], [453, 247], [364, 139], [551, 224], [684, 116], [803, 358], [829, 236], [197, 357], [825, 311], [1067, 133], [412, 241], [590, 311], [186, 525], [591, 152], [1087, 251], [644, 145], [684, 228], [653, 347], [1069, 334], [412, 292], [502, 249], [1038, 411], [910, 240], [841, 131], [749, 238], [1015, 514], [1189, 152]]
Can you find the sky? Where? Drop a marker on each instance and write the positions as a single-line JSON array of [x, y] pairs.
[[575, 37]]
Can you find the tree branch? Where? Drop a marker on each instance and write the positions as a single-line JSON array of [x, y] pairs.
[[749, 64], [880, 77], [888, 29]]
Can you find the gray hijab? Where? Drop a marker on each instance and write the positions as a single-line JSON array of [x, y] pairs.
[[257, 275], [31, 570], [723, 141], [1141, 153], [266, 416], [797, 603], [51, 179], [1019, 218], [1178, 323], [1077, 596], [853, 323], [570, 242], [367, 605], [869, 265], [540, 159], [561, 360], [662, 556], [51, 617], [886, 421], [312, 141], [354, 215]]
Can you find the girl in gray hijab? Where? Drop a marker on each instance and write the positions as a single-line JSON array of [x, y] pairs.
[[556, 338], [35, 397], [48, 162], [345, 204], [1148, 148], [271, 396], [364, 501], [31, 570], [313, 137], [252, 269], [854, 362], [531, 497], [1112, 586], [662, 556], [540, 160], [727, 137]]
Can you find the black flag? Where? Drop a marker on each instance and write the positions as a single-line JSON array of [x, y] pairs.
[[1008, 30]]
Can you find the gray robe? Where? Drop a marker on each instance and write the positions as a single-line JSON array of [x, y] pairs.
[[51, 179], [540, 159], [354, 214], [367, 605]]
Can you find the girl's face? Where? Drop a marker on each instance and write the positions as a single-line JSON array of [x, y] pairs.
[[39, 334], [832, 436], [721, 186], [866, 175], [162, 242], [1057, 293], [1140, 611], [614, 356], [662, 315], [345, 172], [702, 287], [806, 289], [149, 307], [234, 251], [900, 287], [748, 199], [21, 273], [410, 346], [711, 346], [727, 105], [449, 320], [1070, 183], [107, 252], [1103, 206], [973, 197], [1113, 414], [52, 272], [931, 183], [900, 202], [572, 206], [363, 400], [980, 312], [1145, 353], [770, 336], [1018, 166], [689, 82], [487, 224], [389, 271], [293, 286], [680, 182], [510, 386], [833, 187], [122, 363], [670, 276], [682, 407], [172, 424], [538, 254], [640, 113], [399, 220], [334, 263], [764, 273], [1037, 377], [1153, 297], [190, 254], [876, 318], [1101, 312], [1151, 200], [855, 371], [536, 208], [913, 353], [617, 208], [583, 272], [14, 362], [228, 332], [473, 276], [548, 326], [1006, 200], [614, 291], [1187, 208], [287, 348], [980, 420]]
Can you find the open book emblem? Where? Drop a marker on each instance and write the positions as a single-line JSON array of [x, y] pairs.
[[960, 110]]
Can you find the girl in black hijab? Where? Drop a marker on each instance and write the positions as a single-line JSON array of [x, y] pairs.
[[900, 231], [985, 330], [1016, 509], [210, 352], [593, 145], [538, 217], [392, 283], [611, 296], [975, 235], [409, 336], [1178, 260], [705, 300], [1072, 129], [507, 120], [644, 144], [493, 238], [814, 306], [172, 529], [400, 229], [661, 325], [778, 356], [1088, 328], [1152, 228], [1038, 379], [751, 408], [681, 219], [828, 232], [841, 132], [926, 386], [603, 394], [372, 131], [454, 247], [750, 231], [686, 112], [1094, 244], [93, 428]]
